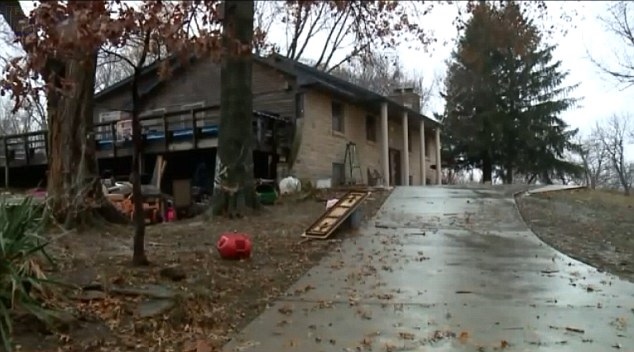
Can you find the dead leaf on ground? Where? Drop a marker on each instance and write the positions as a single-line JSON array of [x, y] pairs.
[[406, 335], [573, 329]]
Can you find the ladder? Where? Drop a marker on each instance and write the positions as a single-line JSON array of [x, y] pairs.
[[351, 163]]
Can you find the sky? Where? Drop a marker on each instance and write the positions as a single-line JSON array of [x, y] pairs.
[[586, 34]]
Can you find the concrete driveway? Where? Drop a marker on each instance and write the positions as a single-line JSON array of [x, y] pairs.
[[447, 269]]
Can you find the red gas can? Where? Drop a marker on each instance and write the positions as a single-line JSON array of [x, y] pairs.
[[234, 246]]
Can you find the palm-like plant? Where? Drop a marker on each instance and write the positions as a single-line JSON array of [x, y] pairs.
[[23, 283]]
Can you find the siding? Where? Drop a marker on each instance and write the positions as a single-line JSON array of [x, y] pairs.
[[272, 91]]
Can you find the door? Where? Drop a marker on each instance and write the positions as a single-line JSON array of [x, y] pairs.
[[395, 167]]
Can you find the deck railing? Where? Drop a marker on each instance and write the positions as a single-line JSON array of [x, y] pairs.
[[190, 125]]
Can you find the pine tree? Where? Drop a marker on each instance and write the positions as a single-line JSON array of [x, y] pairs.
[[504, 94]]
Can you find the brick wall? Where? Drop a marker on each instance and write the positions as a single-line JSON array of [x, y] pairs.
[[321, 147]]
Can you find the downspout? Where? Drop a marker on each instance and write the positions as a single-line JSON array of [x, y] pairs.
[[298, 125]]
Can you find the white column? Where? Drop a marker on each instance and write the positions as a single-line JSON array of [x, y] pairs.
[[423, 167], [438, 161], [405, 150], [385, 156]]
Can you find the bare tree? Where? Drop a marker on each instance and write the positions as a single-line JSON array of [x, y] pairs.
[[613, 137], [32, 114], [111, 68], [382, 73], [594, 160], [619, 21], [343, 30]]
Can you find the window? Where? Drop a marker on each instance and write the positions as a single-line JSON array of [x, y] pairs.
[[337, 117], [338, 174], [409, 141], [370, 128]]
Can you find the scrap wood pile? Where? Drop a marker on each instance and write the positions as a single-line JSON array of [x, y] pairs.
[[120, 194]]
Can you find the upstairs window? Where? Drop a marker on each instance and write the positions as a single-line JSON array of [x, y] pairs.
[[337, 117]]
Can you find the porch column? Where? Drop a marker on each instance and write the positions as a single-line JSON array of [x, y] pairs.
[[405, 150], [423, 167], [385, 156], [438, 161]]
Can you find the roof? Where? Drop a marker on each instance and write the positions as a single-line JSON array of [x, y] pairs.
[[310, 76], [305, 75], [147, 86]]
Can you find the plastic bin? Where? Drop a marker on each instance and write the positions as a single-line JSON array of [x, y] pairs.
[[266, 194]]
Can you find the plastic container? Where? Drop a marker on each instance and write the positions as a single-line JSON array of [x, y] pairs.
[[234, 246], [266, 194]]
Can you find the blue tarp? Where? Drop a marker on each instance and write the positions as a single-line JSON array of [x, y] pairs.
[[207, 131]]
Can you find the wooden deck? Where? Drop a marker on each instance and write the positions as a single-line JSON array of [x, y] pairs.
[[172, 131]]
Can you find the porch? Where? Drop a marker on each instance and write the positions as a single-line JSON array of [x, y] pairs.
[[409, 148]]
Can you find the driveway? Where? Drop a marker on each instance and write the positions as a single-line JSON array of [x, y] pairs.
[[447, 269]]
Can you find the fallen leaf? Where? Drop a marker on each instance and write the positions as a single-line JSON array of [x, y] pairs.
[[406, 335], [581, 331]]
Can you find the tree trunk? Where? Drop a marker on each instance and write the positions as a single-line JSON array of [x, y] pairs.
[[487, 167], [138, 254], [73, 181], [234, 184], [508, 175]]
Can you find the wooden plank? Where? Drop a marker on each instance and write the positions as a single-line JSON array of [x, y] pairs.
[[323, 227]]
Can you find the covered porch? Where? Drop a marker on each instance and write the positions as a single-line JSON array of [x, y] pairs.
[[409, 145]]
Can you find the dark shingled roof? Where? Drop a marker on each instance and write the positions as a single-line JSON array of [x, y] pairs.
[[305, 75]]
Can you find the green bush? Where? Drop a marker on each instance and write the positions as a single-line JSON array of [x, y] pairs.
[[22, 281]]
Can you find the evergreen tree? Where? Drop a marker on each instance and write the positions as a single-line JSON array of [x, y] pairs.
[[504, 94]]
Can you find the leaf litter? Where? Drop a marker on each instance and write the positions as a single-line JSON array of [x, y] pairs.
[[213, 299]]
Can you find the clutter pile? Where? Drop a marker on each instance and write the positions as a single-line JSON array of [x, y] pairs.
[[157, 206]]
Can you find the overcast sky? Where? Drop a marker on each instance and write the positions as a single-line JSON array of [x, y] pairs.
[[601, 96], [586, 33]]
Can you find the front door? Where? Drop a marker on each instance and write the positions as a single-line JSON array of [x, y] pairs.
[[395, 167]]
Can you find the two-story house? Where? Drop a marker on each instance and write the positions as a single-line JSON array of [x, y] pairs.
[[393, 140]]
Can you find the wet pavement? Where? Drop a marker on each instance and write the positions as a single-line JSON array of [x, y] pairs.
[[447, 269]]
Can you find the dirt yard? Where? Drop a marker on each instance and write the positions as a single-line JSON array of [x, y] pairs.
[[594, 227], [188, 299]]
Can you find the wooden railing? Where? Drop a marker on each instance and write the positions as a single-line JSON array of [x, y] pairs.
[[159, 130]]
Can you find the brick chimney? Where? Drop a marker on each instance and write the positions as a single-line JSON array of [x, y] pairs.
[[407, 97]]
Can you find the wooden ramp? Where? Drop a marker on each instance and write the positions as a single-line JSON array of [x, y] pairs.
[[336, 215]]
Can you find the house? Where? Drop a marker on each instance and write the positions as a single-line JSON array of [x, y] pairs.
[[326, 114]]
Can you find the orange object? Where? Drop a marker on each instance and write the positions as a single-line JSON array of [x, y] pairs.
[[151, 209]]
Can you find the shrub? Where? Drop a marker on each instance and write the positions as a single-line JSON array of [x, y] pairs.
[[22, 281]]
